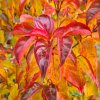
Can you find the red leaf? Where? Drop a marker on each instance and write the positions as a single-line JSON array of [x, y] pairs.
[[39, 32], [46, 22], [64, 48], [28, 30], [42, 53], [22, 29], [22, 46], [93, 11], [73, 57], [77, 2], [59, 32], [32, 81], [74, 28], [29, 92], [49, 92], [26, 18], [77, 28], [19, 77], [21, 5]]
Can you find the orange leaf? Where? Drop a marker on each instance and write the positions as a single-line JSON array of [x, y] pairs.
[[88, 51], [73, 74]]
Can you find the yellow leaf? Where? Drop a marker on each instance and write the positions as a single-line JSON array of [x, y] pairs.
[[2, 38], [13, 92], [63, 89], [53, 71], [88, 50], [37, 6], [90, 89], [3, 73]]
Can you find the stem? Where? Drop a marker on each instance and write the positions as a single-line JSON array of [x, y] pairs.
[[58, 8], [78, 42], [75, 45], [57, 20]]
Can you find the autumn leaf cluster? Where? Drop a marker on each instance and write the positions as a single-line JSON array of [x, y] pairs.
[[49, 49]]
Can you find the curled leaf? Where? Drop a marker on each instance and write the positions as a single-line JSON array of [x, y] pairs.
[[28, 30], [22, 46], [77, 28], [22, 29], [74, 28], [45, 22]]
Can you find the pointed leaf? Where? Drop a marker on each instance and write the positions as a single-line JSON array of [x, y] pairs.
[[74, 28], [19, 76], [77, 28], [64, 48], [92, 72], [49, 92], [93, 11], [22, 46], [73, 75], [88, 51], [42, 53], [46, 22]]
